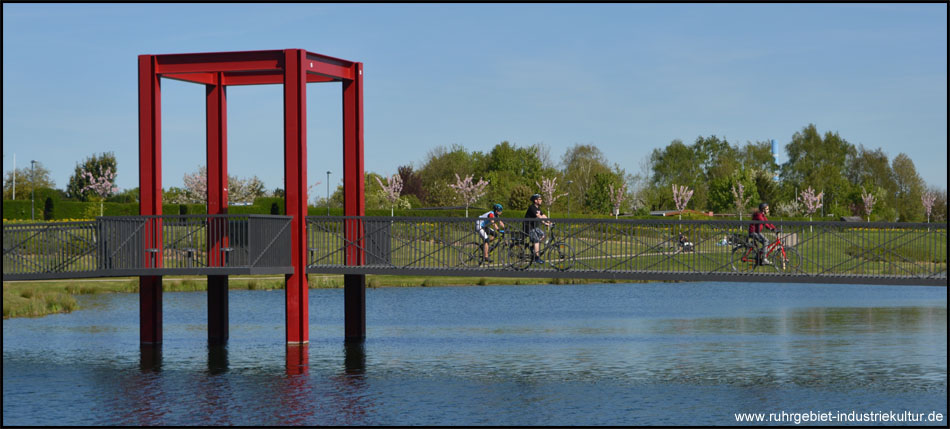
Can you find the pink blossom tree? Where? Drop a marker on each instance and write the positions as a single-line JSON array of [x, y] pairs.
[[811, 201], [617, 196], [549, 190], [927, 199], [468, 191], [313, 194], [740, 199], [869, 201], [102, 186], [391, 191], [681, 196]]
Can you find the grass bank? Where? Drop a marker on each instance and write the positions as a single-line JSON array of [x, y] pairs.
[[42, 297]]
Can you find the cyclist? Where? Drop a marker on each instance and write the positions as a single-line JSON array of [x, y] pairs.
[[482, 226], [532, 228], [755, 229]]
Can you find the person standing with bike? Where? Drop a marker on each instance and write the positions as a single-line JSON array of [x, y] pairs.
[[533, 228], [485, 226], [755, 230]]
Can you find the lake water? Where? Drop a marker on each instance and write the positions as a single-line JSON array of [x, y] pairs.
[[600, 354]]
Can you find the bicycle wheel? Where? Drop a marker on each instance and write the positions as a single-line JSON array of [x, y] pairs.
[[470, 255], [791, 263], [519, 257], [560, 256], [743, 259]]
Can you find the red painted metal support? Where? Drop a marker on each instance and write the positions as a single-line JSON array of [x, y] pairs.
[[293, 68], [295, 186], [217, 236], [150, 197], [354, 204]]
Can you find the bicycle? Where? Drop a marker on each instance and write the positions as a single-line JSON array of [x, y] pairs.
[[472, 254], [556, 253], [745, 255]]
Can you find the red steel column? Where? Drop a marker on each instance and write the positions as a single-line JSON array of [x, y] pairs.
[[217, 156], [295, 186], [354, 285], [150, 196]]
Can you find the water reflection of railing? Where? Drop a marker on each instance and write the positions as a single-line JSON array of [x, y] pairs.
[[884, 253], [148, 245]]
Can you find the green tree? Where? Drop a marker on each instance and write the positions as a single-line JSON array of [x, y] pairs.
[[677, 164], [820, 162], [872, 170], [909, 188], [581, 164], [721, 198], [26, 178], [597, 199], [93, 164]]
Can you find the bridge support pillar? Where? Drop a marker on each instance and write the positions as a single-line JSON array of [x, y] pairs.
[[216, 149], [217, 309], [150, 309], [354, 304], [295, 193]]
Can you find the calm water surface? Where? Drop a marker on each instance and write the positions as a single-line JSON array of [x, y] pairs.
[[611, 354]]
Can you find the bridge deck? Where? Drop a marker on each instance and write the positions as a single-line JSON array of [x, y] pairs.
[[814, 252]]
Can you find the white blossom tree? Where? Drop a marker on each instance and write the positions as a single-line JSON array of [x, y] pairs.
[[239, 190], [391, 191], [244, 190], [740, 199], [927, 199], [468, 190], [102, 186], [869, 201], [681, 196], [196, 186], [617, 196], [549, 191]]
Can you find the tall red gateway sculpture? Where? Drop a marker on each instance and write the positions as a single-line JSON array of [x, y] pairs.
[[293, 68]]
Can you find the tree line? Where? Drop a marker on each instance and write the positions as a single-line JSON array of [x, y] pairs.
[[720, 176]]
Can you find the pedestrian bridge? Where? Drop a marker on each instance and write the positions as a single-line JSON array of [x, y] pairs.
[[815, 252]]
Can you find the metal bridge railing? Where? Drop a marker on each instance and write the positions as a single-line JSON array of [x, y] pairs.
[[148, 245], [888, 253]]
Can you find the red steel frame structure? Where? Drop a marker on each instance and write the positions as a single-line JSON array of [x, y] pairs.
[[294, 68]]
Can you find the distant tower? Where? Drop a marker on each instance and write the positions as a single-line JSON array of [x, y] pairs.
[[775, 158]]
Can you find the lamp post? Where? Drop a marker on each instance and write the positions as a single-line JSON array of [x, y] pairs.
[[32, 189], [569, 197], [328, 192]]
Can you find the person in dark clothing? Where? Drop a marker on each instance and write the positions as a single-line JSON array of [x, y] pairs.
[[755, 229], [533, 228]]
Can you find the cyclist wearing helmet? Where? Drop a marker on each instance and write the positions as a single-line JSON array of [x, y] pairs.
[[533, 228], [485, 220], [755, 229]]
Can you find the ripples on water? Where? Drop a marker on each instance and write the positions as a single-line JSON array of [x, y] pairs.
[[490, 355]]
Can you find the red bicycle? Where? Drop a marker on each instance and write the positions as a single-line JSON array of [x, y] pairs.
[[745, 256]]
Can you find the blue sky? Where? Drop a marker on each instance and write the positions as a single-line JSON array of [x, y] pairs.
[[627, 78]]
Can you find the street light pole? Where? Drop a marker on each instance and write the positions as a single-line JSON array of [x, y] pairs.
[[32, 189], [569, 182], [328, 192]]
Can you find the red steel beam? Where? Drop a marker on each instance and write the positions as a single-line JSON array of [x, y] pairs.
[[200, 78], [220, 62], [150, 197], [265, 78], [295, 199], [354, 204]]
